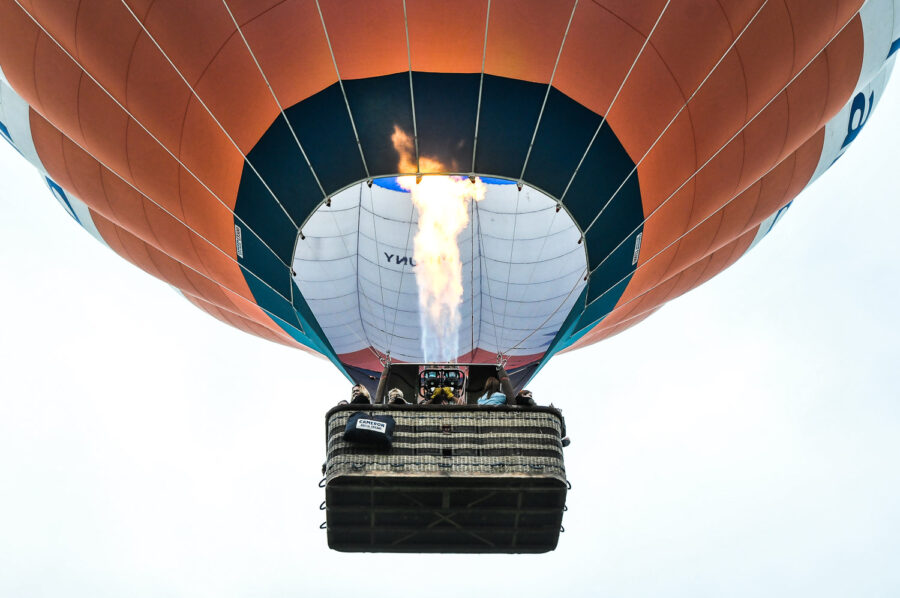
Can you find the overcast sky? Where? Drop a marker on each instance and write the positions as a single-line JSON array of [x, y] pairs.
[[742, 442]]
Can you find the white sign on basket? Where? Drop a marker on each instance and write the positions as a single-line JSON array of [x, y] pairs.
[[371, 424]]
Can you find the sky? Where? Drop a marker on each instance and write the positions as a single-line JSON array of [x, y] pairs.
[[743, 441]]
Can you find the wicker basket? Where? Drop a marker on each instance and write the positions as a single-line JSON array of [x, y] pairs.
[[457, 479]]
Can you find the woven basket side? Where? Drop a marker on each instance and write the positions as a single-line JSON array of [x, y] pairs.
[[451, 443]]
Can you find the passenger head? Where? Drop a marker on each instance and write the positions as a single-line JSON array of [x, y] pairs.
[[524, 397], [491, 385], [395, 397], [359, 394]]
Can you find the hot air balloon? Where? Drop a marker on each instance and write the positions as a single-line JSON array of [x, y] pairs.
[[264, 157], [631, 150]]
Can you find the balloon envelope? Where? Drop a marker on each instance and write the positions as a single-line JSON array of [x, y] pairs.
[[243, 151]]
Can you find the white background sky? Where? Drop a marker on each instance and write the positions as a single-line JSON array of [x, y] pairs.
[[742, 442]]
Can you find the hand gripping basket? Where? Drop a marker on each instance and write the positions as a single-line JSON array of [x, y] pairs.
[[457, 479]]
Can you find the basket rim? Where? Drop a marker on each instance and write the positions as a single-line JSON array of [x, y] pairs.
[[452, 408]]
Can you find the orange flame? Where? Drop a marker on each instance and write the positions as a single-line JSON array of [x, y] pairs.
[[442, 203]]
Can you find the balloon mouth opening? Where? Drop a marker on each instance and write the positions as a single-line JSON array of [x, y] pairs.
[[392, 183], [522, 271]]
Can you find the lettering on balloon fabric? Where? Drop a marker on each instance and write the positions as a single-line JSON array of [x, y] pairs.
[[400, 261]]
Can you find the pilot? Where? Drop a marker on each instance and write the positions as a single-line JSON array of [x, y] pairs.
[[443, 395]]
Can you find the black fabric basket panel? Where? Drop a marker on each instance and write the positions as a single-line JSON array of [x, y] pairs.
[[367, 430]]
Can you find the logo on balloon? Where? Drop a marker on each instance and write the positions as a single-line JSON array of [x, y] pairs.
[[859, 114]]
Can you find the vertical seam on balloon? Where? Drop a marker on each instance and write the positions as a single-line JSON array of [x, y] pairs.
[[180, 270], [712, 238], [141, 245], [402, 276], [399, 287], [827, 94], [128, 255], [184, 272], [674, 118], [412, 95], [378, 254], [730, 259], [727, 20], [613, 101], [684, 280], [512, 247], [343, 91], [216, 312], [737, 54], [200, 76], [133, 119], [78, 106], [72, 180], [787, 126], [62, 154], [485, 275], [34, 70], [758, 185], [137, 38], [743, 164], [787, 189], [356, 268], [537, 124], [472, 271], [731, 256], [690, 117], [75, 26], [736, 191], [249, 19], [676, 280], [200, 262], [487, 20], [837, 12], [209, 111], [150, 6], [790, 19]]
